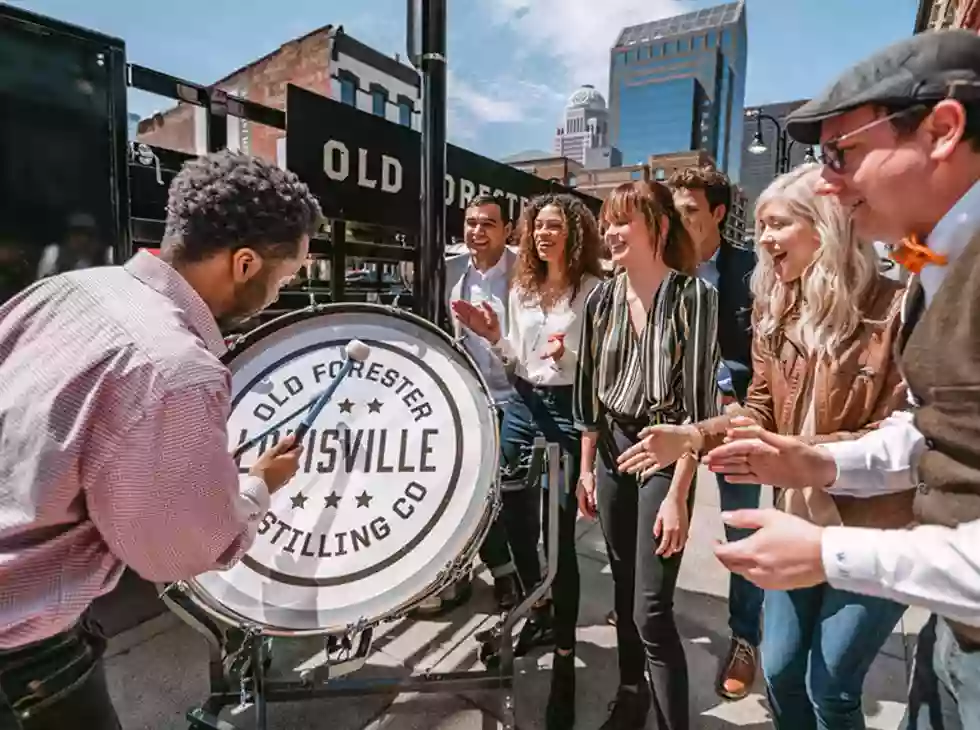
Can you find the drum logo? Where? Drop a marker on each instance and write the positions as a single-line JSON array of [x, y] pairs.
[[379, 468]]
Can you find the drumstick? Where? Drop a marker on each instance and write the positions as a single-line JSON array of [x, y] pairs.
[[355, 351]]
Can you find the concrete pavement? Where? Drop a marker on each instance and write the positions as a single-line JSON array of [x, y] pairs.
[[159, 670]]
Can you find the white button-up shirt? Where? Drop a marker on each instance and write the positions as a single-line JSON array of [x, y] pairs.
[[529, 329], [491, 286]]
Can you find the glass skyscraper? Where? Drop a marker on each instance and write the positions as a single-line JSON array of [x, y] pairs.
[[678, 84]]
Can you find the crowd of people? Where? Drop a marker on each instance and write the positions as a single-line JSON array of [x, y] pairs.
[[768, 364], [797, 365]]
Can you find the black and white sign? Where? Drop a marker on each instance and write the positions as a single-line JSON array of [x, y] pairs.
[[367, 169]]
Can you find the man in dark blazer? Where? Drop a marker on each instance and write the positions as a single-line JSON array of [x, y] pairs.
[[703, 197]]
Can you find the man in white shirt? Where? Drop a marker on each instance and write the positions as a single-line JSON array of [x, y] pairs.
[[900, 135], [483, 275]]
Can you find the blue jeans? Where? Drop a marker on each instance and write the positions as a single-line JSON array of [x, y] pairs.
[[945, 691], [744, 596], [817, 647]]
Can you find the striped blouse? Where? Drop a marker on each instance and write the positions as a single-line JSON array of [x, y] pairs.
[[667, 374]]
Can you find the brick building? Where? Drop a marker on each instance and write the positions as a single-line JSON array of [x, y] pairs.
[[935, 14], [326, 61]]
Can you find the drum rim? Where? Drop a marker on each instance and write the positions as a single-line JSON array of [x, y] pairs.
[[265, 329], [218, 610]]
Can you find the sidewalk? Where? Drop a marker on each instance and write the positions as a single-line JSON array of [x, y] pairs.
[[163, 663]]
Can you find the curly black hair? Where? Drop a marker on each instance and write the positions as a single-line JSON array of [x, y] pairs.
[[229, 200]]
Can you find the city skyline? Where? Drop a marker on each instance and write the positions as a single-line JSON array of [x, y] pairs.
[[513, 63]]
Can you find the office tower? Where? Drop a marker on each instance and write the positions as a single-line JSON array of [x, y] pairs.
[[584, 135], [678, 84]]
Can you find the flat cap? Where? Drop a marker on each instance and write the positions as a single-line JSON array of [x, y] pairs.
[[917, 69]]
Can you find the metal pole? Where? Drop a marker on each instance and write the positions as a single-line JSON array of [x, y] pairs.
[[430, 269]]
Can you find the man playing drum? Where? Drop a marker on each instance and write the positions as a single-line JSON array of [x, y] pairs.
[[113, 439]]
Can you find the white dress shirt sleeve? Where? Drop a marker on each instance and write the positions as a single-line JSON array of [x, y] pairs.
[[937, 568], [508, 348], [880, 462]]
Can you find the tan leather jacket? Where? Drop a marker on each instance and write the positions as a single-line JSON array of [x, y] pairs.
[[853, 391]]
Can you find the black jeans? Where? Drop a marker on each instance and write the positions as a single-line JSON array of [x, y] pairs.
[[644, 582], [57, 683], [532, 412]]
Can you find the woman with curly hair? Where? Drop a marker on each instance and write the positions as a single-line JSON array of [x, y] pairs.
[[648, 355], [557, 267]]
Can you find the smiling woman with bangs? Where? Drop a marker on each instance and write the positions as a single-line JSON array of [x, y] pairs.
[[648, 355]]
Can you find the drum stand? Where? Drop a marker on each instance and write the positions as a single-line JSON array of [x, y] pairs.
[[257, 689]]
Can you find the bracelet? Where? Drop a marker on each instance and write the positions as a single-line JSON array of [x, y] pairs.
[[691, 451]]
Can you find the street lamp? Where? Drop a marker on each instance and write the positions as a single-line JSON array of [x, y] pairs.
[[784, 145]]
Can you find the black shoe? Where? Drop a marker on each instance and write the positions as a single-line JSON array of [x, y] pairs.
[[537, 631], [560, 714], [629, 710], [506, 592]]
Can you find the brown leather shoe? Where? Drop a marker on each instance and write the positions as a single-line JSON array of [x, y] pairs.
[[737, 673]]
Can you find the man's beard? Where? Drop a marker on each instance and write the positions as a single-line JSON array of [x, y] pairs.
[[249, 301]]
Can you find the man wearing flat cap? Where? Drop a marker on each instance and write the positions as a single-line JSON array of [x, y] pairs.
[[900, 139]]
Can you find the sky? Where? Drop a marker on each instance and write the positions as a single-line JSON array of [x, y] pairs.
[[512, 63]]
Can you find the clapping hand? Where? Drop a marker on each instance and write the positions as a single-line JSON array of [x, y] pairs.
[[753, 455], [555, 348], [784, 553], [480, 319]]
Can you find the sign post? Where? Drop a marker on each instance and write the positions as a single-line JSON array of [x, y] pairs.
[[430, 266]]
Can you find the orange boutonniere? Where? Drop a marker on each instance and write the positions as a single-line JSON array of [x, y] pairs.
[[915, 255]]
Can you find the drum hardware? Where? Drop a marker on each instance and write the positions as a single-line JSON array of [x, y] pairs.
[[259, 690], [497, 640]]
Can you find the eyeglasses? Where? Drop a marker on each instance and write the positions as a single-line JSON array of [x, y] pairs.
[[832, 155]]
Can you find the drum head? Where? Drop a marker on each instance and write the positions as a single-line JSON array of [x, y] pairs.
[[396, 482]]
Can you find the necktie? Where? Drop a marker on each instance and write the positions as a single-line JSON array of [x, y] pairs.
[[915, 255]]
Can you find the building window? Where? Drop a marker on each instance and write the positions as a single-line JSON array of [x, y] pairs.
[[684, 45], [698, 43], [348, 87], [712, 39], [660, 174], [379, 100], [658, 50], [405, 115]]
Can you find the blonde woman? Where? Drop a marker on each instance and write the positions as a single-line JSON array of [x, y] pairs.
[[825, 320]]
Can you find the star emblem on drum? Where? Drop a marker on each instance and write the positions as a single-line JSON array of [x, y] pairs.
[[332, 500], [299, 500], [364, 499], [346, 406], [375, 406]]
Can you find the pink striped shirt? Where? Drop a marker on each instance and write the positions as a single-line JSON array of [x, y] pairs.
[[113, 443]]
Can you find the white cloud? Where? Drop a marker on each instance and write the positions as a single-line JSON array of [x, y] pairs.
[[579, 33], [483, 104], [502, 99]]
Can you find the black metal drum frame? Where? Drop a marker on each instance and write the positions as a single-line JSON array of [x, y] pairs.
[[257, 689]]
